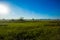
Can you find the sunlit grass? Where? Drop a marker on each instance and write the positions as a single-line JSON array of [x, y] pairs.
[[40, 30]]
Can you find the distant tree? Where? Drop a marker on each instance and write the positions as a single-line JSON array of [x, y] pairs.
[[21, 19], [12, 20], [33, 19], [3, 19]]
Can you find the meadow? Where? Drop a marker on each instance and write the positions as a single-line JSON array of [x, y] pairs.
[[30, 30]]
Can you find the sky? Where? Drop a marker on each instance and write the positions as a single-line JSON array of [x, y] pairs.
[[38, 9]]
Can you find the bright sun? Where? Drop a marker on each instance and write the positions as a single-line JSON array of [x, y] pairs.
[[4, 9]]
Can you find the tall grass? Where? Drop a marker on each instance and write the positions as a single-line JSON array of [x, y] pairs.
[[37, 30]]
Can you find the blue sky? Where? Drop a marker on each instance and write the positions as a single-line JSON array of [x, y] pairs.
[[40, 9]]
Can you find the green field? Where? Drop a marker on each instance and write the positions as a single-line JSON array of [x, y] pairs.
[[30, 30]]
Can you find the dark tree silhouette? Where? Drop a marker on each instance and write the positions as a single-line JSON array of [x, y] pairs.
[[33, 19], [21, 19]]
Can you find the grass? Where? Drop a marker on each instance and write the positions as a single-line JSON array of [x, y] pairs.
[[32, 30]]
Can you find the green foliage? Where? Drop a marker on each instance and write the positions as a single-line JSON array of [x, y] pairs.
[[32, 30]]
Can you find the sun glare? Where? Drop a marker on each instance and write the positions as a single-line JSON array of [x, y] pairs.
[[4, 9]]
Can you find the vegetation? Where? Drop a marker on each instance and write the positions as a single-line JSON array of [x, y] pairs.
[[30, 30]]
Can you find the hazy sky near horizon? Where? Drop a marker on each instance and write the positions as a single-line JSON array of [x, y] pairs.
[[40, 9]]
